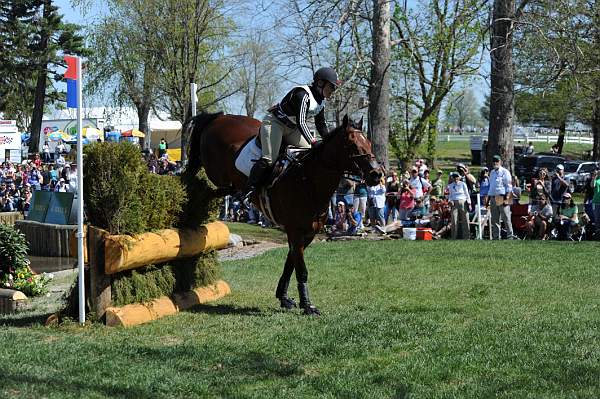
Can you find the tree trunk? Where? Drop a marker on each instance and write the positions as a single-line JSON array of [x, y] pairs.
[[561, 136], [40, 88], [143, 111], [500, 140], [596, 126], [432, 138], [379, 87]]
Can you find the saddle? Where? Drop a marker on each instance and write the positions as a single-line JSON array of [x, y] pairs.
[[250, 152]]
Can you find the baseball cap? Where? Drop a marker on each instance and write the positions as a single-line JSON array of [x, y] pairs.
[[460, 166], [61, 179], [485, 168], [567, 195], [341, 203], [497, 158], [441, 172], [560, 167], [454, 174]]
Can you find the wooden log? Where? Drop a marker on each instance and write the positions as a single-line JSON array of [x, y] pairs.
[[99, 282], [125, 252], [10, 299], [134, 314], [200, 295]]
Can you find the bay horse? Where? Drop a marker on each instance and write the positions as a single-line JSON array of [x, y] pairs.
[[299, 199]]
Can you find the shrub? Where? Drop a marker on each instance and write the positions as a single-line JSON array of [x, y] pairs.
[[122, 196], [15, 272]]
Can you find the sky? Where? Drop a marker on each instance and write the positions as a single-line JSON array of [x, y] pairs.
[[256, 16]]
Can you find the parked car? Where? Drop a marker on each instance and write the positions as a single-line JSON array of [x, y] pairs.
[[576, 172], [528, 166]]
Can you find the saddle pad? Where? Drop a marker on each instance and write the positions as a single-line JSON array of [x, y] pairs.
[[247, 156]]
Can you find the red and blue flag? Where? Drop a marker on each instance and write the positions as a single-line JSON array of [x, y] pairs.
[[71, 77]]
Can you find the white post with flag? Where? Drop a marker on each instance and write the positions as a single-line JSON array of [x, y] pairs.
[[74, 99], [193, 97]]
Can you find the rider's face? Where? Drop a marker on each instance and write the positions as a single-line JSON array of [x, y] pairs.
[[328, 90]]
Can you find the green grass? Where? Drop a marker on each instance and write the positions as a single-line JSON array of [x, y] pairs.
[[257, 233], [400, 319]]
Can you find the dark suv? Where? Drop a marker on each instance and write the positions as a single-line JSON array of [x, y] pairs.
[[527, 167]]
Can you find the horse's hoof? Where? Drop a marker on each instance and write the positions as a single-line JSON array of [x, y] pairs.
[[311, 310], [287, 303]]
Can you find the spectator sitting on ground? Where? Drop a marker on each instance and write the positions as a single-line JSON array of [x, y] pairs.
[[567, 217], [340, 224], [7, 202], [418, 211], [440, 218], [353, 220], [540, 218]]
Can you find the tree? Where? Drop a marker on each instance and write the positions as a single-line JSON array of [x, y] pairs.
[[379, 83], [558, 47], [191, 37], [437, 43], [125, 60], [505, 15], [257, 73], [54, 37], [461, 109], [32, 38]]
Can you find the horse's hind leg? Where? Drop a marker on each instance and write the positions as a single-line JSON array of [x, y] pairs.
[[284, 282]]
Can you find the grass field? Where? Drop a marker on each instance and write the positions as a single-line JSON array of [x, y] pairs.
[[400, 319]]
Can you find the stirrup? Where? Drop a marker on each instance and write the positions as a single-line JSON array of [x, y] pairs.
[[287, 303], [311, 310]]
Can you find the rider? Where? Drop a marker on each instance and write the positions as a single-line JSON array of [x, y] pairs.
[[286, 122]]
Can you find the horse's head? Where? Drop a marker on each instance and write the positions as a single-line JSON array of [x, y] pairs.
[[356, 154]]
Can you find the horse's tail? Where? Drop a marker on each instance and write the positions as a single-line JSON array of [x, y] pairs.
[[195, 125]]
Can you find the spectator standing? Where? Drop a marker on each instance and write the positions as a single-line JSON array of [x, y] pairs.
[[427, 192], [559, 187], [46, 152], [360, 200], [437, 187], [460, 200], [61, 187], [72, 181], [595, 183], [516, 190], [392, 193], [498, 193], [60, 148], [37, 161], [418, 183], [162, 147], [60, 162], [34, 178], [407, 200], [376, 201]]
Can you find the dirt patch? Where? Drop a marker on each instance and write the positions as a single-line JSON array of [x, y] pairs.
[[249, 250]]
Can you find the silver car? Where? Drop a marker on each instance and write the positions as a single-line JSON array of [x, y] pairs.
[[576, 173]]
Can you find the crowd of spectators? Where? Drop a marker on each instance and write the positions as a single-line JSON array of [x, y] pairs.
[[18, 181]]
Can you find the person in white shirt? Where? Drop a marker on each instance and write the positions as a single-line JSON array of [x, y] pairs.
[[376, 201], [499, 198], [420, 184], [460, 200]]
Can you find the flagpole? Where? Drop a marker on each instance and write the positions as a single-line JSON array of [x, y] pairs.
[[80, 236]]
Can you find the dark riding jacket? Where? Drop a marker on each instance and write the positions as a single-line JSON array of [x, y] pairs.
[[294, 108]]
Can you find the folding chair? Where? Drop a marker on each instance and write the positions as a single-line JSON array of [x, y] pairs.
[[518, 218]]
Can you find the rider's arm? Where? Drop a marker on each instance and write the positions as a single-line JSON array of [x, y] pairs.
[[301, 103], [321, 124]]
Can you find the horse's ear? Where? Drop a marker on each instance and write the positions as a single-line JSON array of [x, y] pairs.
[[360, 123], [345, 121]]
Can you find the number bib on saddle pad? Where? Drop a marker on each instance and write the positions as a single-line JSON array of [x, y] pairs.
[[250, 153]]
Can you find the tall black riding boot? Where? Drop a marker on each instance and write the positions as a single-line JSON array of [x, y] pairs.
[[258, 173], [281, 294], [305, 304]]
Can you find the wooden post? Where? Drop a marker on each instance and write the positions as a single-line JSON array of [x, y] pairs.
[[99, 282]]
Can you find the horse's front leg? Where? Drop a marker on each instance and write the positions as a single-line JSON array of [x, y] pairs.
[[298, 246], [284, 282]]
